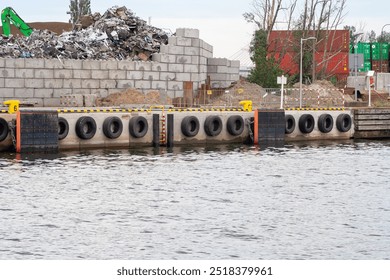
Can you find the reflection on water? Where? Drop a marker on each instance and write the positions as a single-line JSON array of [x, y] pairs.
[[301, 201]]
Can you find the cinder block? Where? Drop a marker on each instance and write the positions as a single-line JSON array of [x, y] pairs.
[[34, 63], [91, 64], [24, 73], [156, 57], [206, 53], [106, 84], [183, 59], [135, 75], [2, 83], [172, 40], [90, 84], [187, 32], [167, 76], [82, 91], [73, 64], [142, 66], [195, 60], [233, 70], [192, 51], [20, 63], [43, 93], [143, 84], [173, 85], [191, 68], [57, 93], [90, 100], [8, 93], [175, 50], [178, 68], [9, 63], [54, 83], [124, 84], [24, 92], [203, 61], [7, 73], [167, 58], [222, 69], [164, 49], [100, 92], [44, 73], [159, 67], [151, 76], [72, 83], [183, 76], [34, 83], [212, 69], [74, 100], [101, 74], [206, 46], [159, 85], [217, 61], [109, 65], [53, 64], [14, 83], [82, 74], [63, 73], [125, 65], [195, 77], [2, 62], [185, 42], [51, 102]]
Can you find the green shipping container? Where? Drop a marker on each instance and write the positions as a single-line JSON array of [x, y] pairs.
[[365, 49], [366, 67], [385, 51]]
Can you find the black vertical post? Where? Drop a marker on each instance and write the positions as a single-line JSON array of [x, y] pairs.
[[156, 130], [170, 131]]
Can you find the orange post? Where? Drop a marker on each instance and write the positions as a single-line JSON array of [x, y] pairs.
[[18, 133], [256, 128]]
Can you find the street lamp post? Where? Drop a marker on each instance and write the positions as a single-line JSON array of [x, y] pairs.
[[381, 44], [301, 69]]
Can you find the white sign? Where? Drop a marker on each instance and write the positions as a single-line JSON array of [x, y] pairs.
[[282, 80]]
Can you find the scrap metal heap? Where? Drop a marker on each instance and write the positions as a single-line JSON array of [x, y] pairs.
[[118, 34]]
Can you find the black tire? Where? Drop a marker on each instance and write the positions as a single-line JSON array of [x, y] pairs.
[[325, 123], [235, 125], [213, 125], [86, 128], [190, 126], [344, 123], [290, 124], [3, 129], [138, 127], [306, 123], [112, 127], [63, 128]]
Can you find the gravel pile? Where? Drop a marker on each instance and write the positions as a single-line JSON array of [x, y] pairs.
[[118, 34]]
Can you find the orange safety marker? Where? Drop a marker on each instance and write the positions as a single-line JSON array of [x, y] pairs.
[[256, 128], [18, 133]]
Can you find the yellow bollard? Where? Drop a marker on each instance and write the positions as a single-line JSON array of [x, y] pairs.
[[246, 105], [13, 106]]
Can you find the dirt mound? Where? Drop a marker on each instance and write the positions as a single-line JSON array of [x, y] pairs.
[[132, 96]]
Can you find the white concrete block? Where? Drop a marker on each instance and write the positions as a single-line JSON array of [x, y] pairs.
[[72, 83], [187, 33]]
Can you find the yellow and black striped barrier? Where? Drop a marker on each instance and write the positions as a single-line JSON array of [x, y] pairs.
[[316, 109], [149, 110]]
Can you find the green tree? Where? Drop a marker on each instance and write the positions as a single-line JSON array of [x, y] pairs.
[[266, 70], [77, 9]]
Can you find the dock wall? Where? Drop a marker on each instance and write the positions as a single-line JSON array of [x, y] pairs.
[[45, 82]]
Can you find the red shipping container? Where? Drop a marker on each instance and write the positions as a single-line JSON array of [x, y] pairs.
[[290, 41], [333, 63]]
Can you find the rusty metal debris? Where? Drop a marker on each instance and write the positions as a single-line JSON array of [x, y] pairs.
[[118, 34]]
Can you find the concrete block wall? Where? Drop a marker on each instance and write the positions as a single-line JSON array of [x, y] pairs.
[[223, 72], [45, 82]]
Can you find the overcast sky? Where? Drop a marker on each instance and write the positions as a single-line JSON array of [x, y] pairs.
[[220, 21]]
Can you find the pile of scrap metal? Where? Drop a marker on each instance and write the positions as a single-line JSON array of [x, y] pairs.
[[118, 34]]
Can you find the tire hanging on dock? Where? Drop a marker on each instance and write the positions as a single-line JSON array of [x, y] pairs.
[[190, 126], [138, 127], [213, 125], [325, 123], [3, 129], [290, 124], [63, 128], [344, 123], [112, 127], [235, 125], [306, 123], [86, 128]]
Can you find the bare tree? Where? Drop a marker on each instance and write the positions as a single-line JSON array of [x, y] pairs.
[[77, 9], [314, 18]]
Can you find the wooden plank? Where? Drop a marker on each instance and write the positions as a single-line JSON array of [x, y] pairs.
[[374, 122], [372, 127], [372, 111], [372, 117]]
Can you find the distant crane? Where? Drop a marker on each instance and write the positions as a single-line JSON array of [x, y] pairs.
[[8, 17]]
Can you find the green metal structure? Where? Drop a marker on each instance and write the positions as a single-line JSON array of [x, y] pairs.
[[8, 17]]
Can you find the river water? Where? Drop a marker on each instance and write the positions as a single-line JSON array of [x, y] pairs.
[[306, 201]]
